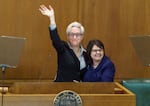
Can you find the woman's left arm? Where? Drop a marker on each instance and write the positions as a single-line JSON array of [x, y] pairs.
[[108, 73]]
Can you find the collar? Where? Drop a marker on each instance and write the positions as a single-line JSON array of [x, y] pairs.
[[81, 48]]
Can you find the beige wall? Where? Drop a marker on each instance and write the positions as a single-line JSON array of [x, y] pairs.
[[111, 21]]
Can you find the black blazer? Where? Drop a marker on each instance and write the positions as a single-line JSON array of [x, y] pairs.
[[68, 68]]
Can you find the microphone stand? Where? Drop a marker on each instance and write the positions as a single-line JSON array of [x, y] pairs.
[[3, 68], [7, 44]]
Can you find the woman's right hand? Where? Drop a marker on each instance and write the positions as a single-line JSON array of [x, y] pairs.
[[47, 11]]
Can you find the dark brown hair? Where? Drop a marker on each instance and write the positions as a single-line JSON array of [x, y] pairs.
[[91, 44]]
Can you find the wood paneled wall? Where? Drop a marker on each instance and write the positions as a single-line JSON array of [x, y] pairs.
[[111, 21]]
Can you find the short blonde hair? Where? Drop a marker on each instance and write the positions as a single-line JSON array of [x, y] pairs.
[[75, 24]]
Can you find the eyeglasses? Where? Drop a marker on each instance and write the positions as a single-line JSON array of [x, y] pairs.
[[75, 34], [97, 50]]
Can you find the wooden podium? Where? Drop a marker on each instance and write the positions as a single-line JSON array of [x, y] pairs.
[[92, 94]]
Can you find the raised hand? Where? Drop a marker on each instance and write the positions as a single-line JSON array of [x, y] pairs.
[[47, 11]]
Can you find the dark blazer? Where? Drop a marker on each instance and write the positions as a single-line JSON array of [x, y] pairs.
[[104, 72], [68, 68]]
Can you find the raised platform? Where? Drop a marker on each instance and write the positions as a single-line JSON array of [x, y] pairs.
[[44, 93]]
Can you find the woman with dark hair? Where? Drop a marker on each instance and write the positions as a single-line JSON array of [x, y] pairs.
[[101, 68]]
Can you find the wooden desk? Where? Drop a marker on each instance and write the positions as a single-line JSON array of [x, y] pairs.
[[92, 94]]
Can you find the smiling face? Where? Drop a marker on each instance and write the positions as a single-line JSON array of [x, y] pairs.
[[97, 53], [75, 37]]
